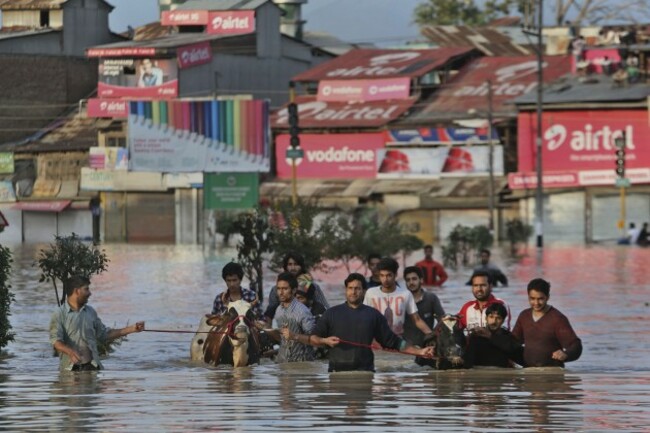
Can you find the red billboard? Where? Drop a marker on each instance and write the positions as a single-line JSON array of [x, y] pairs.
[[584, 140], [184, 18], [331, 156], [364, 90], [231, 22], [142, 78], [121, 52], [322, 114], [115, 108], [194, 55]]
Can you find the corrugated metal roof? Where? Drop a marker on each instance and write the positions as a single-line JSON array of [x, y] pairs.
[[321, 114], [150, 31], [31, 4], [489, 40], [364, 63], [168, 44], [330, 43], [25, 33], [466, 95], [221, 5], [598, 88]]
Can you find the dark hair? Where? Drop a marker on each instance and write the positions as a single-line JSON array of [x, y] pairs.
[[429, 246], [413, 270], [74, 282], [481, 273], [486, 251], [388, 264], [232, 268], [540, 285], [373, 256], [498, 308], [356, 277], [296, 258], [289, 278]]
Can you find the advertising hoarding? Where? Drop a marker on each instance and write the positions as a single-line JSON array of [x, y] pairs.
[[137, 78]]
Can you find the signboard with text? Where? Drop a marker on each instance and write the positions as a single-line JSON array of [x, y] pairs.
[[364, 90], [194, 55], [145, 78], [184, 18], [238, 22], [113, 108], [230, 190]]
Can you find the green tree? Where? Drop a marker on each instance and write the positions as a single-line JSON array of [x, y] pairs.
[[69, 256], [256, 240], [6, 297], [227, 225], [517, 232], [464, 242], [462, 12]]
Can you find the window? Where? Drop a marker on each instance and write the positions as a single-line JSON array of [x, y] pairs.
[[45, 18]]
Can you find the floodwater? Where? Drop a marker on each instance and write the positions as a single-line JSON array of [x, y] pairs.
[[150, 385]]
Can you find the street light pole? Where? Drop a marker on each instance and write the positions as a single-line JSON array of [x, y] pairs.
[[539, 198], [491, 157]]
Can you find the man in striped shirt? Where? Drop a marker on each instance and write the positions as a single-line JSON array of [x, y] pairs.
[[295, 321]]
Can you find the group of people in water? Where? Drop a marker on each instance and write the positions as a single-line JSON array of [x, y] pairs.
[[300, 320]]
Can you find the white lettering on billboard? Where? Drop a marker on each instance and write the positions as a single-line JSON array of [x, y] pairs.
[[503, 85], [340, 155], [378, 66], [589, 139], [319, 110]]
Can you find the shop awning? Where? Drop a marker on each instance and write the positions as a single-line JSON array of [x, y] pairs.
[[42, 206], [315, 114]]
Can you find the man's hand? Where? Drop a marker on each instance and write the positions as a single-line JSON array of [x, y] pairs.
[[331, 341], [559, 355], [426, 352], [286, 333], [74, 357]]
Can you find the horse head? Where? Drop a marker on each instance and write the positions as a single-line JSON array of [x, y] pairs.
[[449, 343]]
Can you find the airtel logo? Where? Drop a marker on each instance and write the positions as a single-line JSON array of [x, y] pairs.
[[517, 71], [393, 58], [555, 136]]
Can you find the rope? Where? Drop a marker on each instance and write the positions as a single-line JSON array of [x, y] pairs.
[[380, 348]]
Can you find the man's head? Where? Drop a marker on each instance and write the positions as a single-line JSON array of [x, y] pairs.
[[355, 287], [495, 315], [147, 65], [539, 290], [77, 289], [232, 274], [413, 277], [286, 286], [481, 285], [305, 290], [428, 252], [294, 263], [373, 261], [387, 267], [485, 257]]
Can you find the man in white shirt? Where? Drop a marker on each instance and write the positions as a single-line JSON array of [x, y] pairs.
[[394, 302], [633, 234]]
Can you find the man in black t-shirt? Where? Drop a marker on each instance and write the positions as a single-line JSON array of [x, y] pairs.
[[350, 328]]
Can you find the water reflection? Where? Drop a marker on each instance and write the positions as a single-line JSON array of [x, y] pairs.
[[150, 384]]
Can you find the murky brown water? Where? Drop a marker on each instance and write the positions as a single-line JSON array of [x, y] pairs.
[[149, 383]]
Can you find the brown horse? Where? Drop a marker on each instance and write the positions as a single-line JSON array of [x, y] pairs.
[[230, 338]]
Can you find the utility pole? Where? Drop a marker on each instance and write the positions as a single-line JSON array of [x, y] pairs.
[[491, 157], [539, 197]]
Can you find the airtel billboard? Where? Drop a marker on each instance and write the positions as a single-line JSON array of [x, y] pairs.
[[584, 140], [331, 156]]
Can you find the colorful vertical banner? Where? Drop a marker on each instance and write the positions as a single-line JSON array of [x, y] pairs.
[[231, 190], [192, 136]]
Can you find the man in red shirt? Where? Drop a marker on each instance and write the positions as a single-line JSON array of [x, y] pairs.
[[433, 272], [547, 335], [472, 313]]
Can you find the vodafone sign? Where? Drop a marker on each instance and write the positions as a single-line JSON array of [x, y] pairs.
[[231, 22], [584, 140], [331, 156], [364, 90]]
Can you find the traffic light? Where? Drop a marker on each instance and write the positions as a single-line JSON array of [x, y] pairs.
[[294, 139], [620, 162]]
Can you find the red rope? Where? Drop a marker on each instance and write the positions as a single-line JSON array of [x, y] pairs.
[[380, 348]]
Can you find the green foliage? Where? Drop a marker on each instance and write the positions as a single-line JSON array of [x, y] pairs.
[[6, 297], [69, 256], [462, 12], [517, 232], [227, 225], [464, 242], [254, 228]]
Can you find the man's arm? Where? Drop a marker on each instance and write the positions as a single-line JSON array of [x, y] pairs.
[[61, 347], [571, 344], [317, 341], [442, 275], [420, 324], [123, 332]]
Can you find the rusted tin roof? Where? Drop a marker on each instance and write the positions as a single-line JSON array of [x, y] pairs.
[[490, 41], [30, 4], [150, 31], [466, 96], [372, 63]]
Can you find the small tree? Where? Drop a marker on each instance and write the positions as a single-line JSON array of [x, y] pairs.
[[6, 297], [254, 228], [517, 232], [227, 225], [462, 242], [69, 256]]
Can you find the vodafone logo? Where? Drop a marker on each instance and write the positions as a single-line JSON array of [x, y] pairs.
[[327, 90], [373, 90], [555, 136], [387, 59], [344, 154]]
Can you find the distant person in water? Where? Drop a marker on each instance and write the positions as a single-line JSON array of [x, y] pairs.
[[493, 270], [433, 272]]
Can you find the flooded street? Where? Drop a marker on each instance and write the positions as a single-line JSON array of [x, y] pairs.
[[150, 384]]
